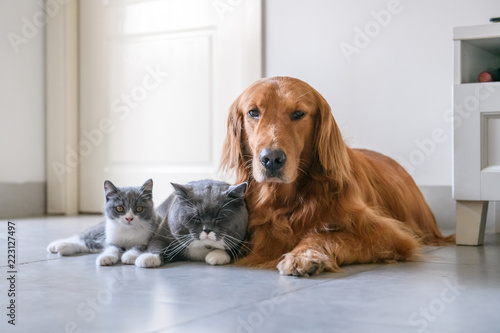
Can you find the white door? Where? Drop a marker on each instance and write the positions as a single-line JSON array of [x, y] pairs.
[[156, 80]]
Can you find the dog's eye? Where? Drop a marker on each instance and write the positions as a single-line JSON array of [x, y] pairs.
[[296, 115], [254, 113]]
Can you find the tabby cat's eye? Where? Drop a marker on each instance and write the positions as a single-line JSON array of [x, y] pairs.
[[138, 209], [119, 209]]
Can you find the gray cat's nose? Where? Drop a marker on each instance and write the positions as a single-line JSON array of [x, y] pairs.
[[207, 230]]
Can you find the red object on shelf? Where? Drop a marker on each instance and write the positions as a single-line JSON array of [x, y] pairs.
[[485, 77]]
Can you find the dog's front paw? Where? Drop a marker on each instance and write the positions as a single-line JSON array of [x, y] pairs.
[[217, 257], [309, 262]]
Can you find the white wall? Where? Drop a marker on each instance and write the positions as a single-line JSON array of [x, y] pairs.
[[395, 93], [22, 109]]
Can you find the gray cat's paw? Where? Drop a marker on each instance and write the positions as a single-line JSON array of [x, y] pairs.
[[148, 260], [106, 260], [129, 257], [217, 257]]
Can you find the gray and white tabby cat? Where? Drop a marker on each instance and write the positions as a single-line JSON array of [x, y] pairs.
[[204, 220], [130, 223]]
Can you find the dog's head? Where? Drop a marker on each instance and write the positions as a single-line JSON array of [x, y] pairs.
[[280, 128]]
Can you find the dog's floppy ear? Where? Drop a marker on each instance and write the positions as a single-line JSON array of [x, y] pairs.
[[329, 144], [232, 155]]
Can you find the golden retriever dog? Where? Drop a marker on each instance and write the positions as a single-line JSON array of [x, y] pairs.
[[316, 204]]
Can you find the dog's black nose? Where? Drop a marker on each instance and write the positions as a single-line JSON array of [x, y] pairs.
[[272, 159]]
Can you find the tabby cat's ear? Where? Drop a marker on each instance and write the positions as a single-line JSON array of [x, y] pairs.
[[180, 190], [109, 189], [147, 188], [237, 191]]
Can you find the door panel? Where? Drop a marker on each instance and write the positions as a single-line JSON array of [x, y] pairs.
[[476, 142], [157, 78]]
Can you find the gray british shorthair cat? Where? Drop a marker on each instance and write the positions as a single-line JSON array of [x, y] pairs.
[[204, 220], [130, 223]]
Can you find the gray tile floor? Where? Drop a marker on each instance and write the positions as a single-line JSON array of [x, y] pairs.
[[452, 289]]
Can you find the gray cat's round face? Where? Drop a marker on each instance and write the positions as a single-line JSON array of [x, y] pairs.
[[129, 206], [209, 211]]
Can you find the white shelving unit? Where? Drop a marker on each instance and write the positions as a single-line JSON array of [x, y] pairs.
[[476, 128]]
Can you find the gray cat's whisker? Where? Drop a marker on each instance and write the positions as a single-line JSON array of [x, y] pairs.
[[230, 243], [237, 244], [163, 236], [227, 203], [177, 248], [185, 200], [181, 247], [233, 238], [235, 249]]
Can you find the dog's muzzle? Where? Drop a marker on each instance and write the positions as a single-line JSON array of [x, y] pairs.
[[273, 161]]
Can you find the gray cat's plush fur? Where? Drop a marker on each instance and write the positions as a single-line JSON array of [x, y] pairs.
[[204, 220], [130, 223]]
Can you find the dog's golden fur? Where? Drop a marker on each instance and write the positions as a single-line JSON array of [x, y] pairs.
[[329, 205]]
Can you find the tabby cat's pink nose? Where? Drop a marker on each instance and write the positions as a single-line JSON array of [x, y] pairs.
[[129, 219]]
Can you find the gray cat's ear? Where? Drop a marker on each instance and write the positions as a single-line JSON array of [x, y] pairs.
[[180, 190], [147, 186], [109, 189], [147, 189], [237, 191]]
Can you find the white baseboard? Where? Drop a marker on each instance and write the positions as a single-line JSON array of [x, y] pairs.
[[22, 200]]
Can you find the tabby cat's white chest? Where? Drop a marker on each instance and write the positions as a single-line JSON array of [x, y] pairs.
[[126, 237]]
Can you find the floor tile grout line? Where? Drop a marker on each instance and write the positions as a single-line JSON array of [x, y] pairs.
[[31, 262]]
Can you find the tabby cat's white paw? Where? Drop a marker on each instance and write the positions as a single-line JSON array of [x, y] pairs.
[[67, 246], [217, 257], [62, 248], [129, 257], [148, 260], [106, 260]]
